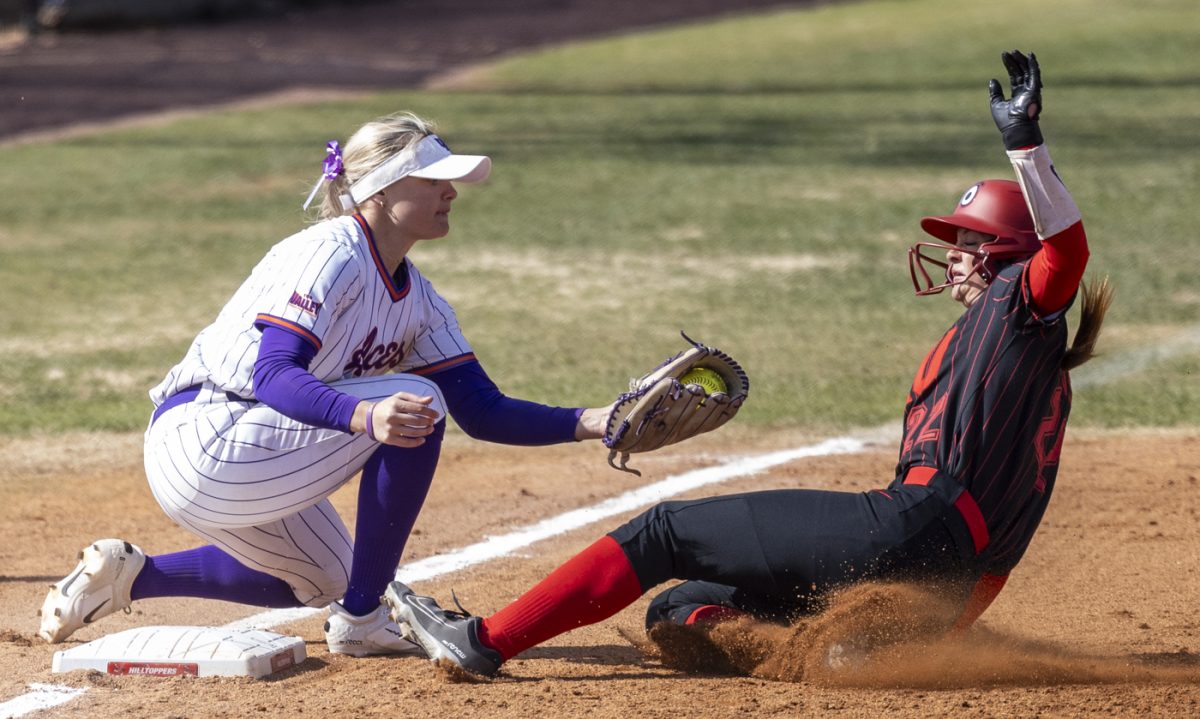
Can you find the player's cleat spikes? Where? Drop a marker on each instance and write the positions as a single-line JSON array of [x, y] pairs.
[[98, 586], [368, 635], [443, 634]]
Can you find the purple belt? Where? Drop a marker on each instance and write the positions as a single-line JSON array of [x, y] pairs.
[[186, 395]]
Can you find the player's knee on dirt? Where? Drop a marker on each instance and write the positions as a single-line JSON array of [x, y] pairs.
[[661, 609], [678, 603]]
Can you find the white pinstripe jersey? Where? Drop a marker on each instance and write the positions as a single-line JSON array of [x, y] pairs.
[[326, 283]]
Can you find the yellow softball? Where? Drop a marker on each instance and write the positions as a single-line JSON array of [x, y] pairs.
[[707, 379]]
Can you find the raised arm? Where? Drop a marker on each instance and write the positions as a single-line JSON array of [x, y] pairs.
[[1057, 269]]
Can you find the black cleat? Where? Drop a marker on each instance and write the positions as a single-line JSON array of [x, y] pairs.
[[443, 634]]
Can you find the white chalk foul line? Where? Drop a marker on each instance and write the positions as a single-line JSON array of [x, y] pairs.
[[504, 544], [40, 696], [494, 547]]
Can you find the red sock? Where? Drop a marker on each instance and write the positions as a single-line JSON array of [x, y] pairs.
[[590, 587], [986, 589]]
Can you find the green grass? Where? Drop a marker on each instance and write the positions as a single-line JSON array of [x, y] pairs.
[[759, 192], [878, 47]]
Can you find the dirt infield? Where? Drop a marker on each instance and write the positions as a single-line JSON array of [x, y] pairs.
[[1098, 619]]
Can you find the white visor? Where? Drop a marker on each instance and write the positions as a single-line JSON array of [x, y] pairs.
[[429, 158]]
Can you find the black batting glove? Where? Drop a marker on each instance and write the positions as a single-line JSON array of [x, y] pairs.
[[1018, 118]]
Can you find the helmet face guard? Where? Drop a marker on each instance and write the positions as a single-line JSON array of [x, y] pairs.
[[919, 263], [990, 207]]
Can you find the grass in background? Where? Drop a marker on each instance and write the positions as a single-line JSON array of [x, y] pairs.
[[879, 46], [759, 192]]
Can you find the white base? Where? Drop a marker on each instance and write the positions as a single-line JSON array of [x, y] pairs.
[[180, 651]]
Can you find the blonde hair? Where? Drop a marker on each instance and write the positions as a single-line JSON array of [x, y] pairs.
[[369, 147], [1097, 297]]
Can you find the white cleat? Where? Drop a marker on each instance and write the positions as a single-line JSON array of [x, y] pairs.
[[98, 586], [365, 636]]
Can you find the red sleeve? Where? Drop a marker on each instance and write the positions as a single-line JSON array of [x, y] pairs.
[[1057, 268]]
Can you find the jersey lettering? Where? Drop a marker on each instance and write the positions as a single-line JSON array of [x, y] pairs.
[[915, 418], [920, 425], [370, 356], [305, 303], [1051, 427]]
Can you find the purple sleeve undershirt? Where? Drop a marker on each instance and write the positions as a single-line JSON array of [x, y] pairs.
[[282, 381], [484, 412]]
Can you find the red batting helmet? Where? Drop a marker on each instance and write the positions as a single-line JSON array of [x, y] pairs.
[[992, 207]]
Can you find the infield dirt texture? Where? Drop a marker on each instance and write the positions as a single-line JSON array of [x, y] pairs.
[[1099, 620]]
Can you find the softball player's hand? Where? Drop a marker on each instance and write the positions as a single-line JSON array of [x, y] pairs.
[[1017, 118], [592, 422], [402, 420]]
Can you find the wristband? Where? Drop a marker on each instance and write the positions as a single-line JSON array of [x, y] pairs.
[[1049, 202], [370, 423], [1020, 135]]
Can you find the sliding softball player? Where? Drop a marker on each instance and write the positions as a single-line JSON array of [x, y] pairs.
[[983, 429]]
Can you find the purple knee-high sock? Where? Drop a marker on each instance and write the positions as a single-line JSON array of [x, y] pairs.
[[209, 573], [393, 487]]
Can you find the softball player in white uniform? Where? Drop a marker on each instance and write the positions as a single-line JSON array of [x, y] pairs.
[[336, 356]]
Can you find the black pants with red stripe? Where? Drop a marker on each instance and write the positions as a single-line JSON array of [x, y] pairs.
[[777, 554]]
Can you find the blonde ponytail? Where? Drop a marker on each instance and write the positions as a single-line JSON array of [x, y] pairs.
[[370, 146]]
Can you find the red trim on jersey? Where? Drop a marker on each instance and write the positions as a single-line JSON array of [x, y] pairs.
[[443, 365], [397, 293], [292, 327], [965, 504], [919, 476], [1056, 269], [985, 591], [928, 370]]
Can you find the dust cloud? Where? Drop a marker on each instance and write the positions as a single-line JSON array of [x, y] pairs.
[[892, 636]]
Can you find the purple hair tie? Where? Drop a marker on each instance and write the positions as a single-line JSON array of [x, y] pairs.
[[333, 161], [331, 168]]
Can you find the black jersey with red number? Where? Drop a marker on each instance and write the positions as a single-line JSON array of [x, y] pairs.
[[988, 408]]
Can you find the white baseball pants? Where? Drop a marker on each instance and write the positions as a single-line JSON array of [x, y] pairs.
[[256, 483]]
